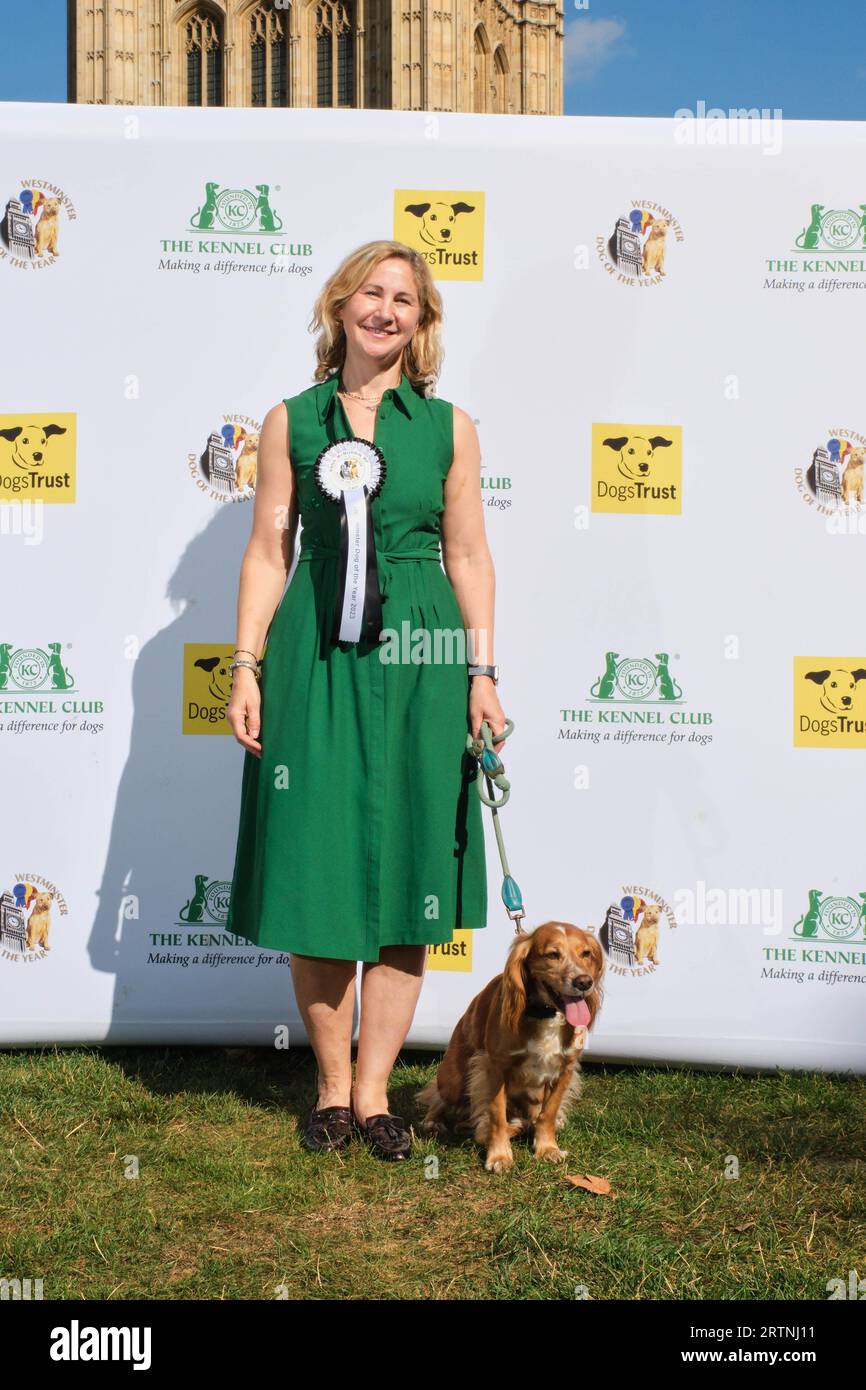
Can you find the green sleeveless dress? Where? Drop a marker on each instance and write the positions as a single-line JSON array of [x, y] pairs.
[[360, 826]]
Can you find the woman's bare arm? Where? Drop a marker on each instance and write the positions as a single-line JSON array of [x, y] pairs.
[[271, 547], [469, 565], [465, 552], [264, 569]]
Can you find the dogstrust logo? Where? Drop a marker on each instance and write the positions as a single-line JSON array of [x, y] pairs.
[[207, 687], [636, 691], [446, 226], [225, 469], [37, 457], [30, 229], [637, 468], [636, 250], [833, 481], [830, 245], [35, 682], [631, 930], [243, 230], [28, 913], [830, 702], [454, 955]]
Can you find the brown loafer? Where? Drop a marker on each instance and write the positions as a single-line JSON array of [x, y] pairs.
[[386, 1135], [329, 1128]]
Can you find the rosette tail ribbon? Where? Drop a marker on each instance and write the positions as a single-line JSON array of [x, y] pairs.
[[358, 606]]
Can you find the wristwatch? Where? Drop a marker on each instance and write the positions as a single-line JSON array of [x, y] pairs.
[[492, 671]]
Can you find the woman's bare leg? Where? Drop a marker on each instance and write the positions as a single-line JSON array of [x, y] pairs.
[[389, 992], [325, 991]]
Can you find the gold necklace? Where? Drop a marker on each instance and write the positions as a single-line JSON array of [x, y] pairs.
[[365, 400]]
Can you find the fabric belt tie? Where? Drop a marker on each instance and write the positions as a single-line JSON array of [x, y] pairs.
[[324, 552]]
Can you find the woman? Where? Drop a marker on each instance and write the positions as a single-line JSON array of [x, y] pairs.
[[360, 833]]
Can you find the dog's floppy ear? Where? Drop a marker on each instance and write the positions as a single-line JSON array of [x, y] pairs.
[[596, 994], [513, 982]]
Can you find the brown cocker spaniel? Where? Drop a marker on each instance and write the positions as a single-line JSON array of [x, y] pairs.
[[513, 1059]]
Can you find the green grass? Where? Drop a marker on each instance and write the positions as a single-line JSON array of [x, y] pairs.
[[229, 1205]]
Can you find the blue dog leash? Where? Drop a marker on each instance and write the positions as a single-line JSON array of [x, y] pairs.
[[491, 769]]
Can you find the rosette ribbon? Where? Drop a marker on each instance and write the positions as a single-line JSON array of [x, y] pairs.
[[351, 473]]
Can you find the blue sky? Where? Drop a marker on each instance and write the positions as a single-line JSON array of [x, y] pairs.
[[623, 57]]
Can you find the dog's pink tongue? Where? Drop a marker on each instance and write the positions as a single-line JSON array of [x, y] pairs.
[[577, 1013]]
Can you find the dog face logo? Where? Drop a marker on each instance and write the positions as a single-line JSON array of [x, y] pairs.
[[228, 464], [634, 453], [37, 457], [207, 687], [447, 227], [436, 221], [219, 677], [30, 227], [637, 468], [30, 443], [833, 481], [829, 702], [838, 688], [636, 250]]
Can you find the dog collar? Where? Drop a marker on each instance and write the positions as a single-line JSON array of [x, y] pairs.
[[540, 1011]]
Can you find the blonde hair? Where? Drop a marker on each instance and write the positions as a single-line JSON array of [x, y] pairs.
[[422, 356]]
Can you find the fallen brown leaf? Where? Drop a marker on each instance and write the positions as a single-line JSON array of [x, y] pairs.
[[590, 1183]]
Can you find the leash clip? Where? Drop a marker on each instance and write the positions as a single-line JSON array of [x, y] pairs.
[[491, 770]]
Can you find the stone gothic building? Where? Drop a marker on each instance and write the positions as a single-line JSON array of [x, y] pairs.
[[403, 55]]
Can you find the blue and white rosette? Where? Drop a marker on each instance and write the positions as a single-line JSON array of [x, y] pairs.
[[351, 473]]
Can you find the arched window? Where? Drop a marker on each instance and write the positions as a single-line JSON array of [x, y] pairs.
[[335, 53], [500, 80], [480, 80], [269, 67], [204, 60]]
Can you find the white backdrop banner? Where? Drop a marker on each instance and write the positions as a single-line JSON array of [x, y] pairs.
[[653, 324]]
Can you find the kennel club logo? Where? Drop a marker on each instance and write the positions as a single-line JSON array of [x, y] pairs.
[[242, 225], [632, 929], [200, 922], [829, 702], [833, 481], [37, 457], [839, 233], [29, 912], [209, 902], [832, 918], [225, 469], [27, 669], [207, 687], [32, 671], [446, 226], [636, 690], [635, 252], [30, 232], [637, 468]]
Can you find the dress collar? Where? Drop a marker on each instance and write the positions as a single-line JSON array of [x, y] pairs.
[[405, 394]]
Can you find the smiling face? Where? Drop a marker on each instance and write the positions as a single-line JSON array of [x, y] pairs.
[[564, 961], [381, 316]]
